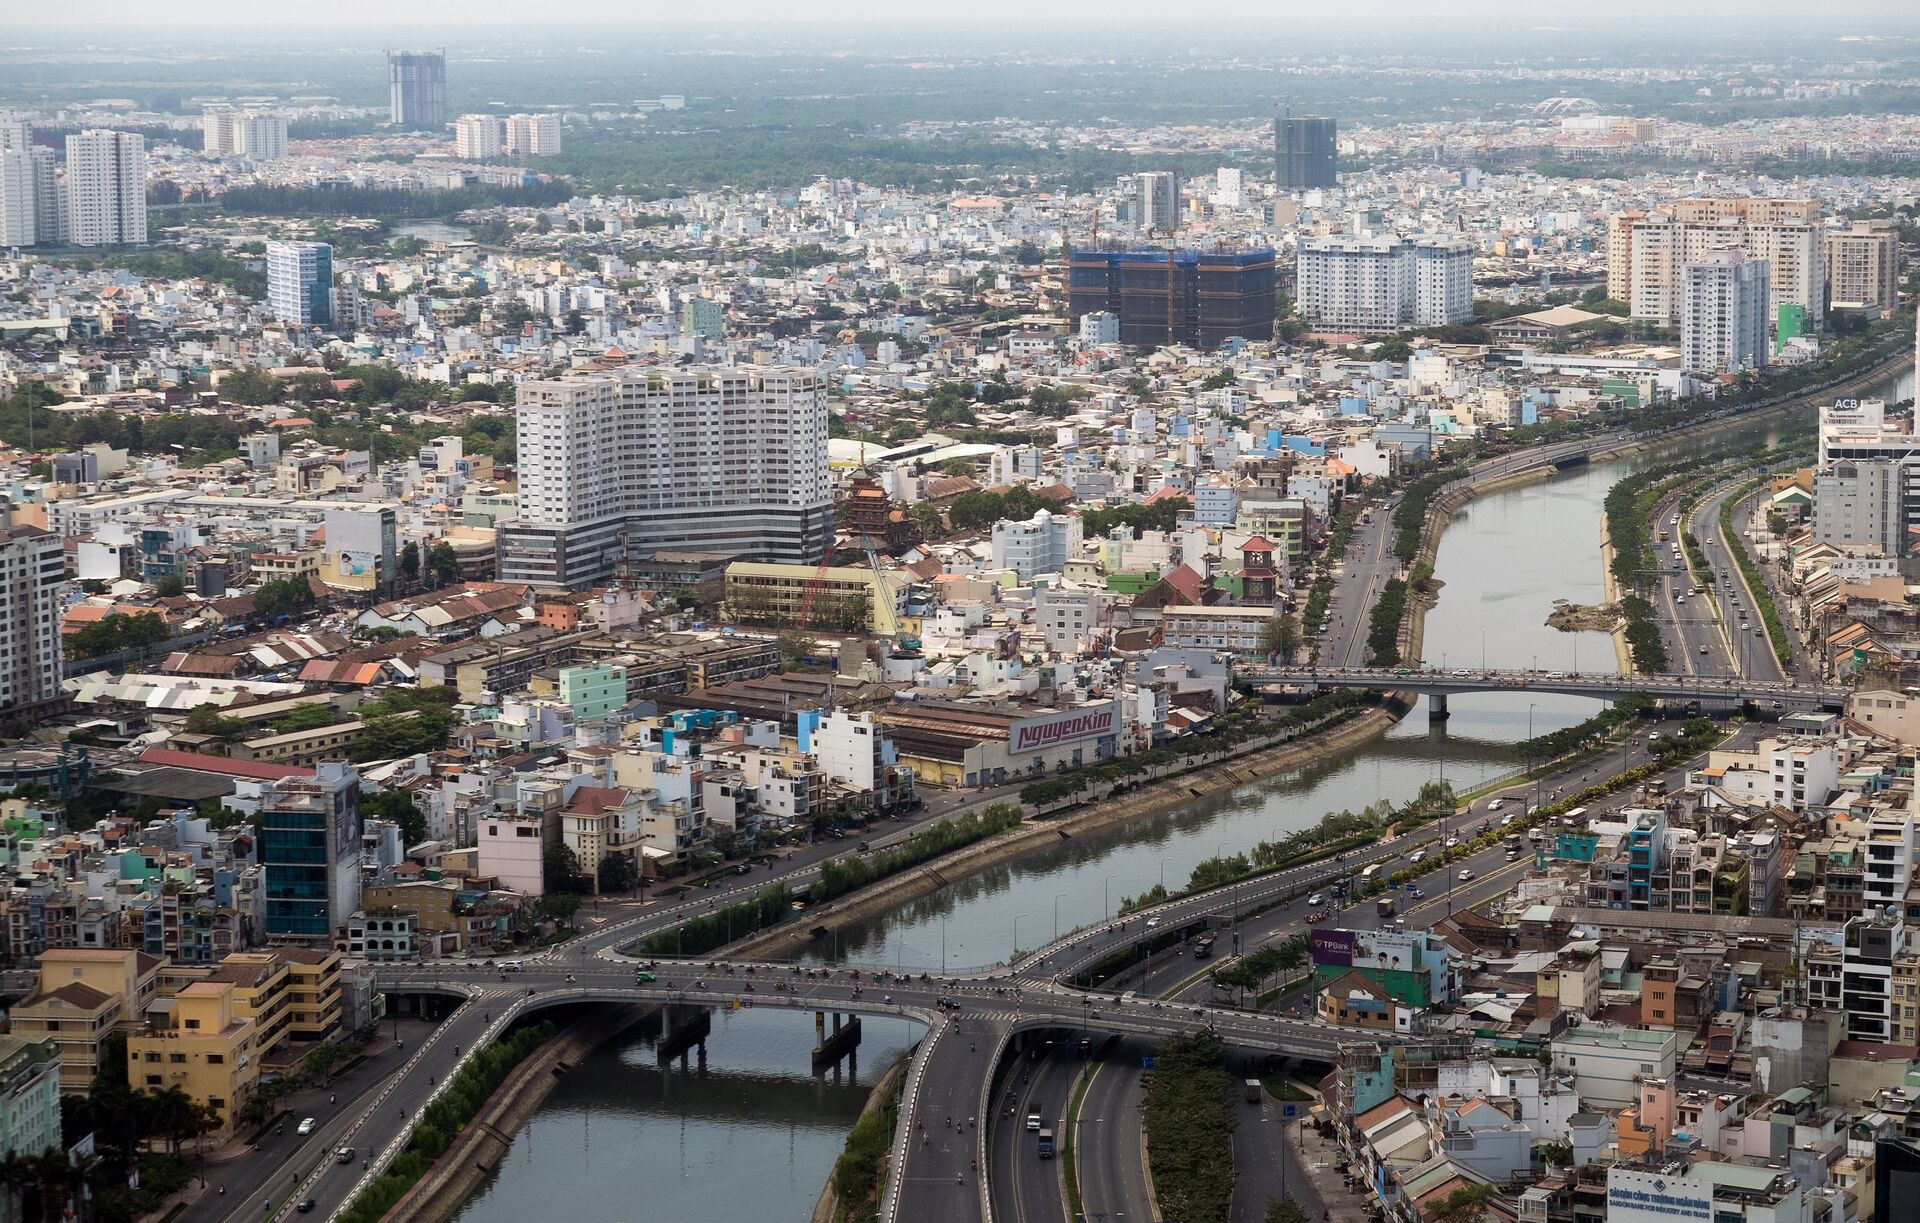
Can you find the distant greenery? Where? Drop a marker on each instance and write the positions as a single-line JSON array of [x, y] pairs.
[[173, 263], [1162, 515], [1410, 516], [980, 510], [654, 164], [1762, 597], [345, 201], [405, 722]]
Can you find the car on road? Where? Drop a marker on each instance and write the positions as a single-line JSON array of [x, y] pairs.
[[306, 1126], [306, 1206], [1466, 875], [1463, 672], [1453, 842], [1153, 923], [1414, 892], [1418, 855], [1703, 649], [343, 1156], [1317, 899], [643, 976], [1033, 1116]]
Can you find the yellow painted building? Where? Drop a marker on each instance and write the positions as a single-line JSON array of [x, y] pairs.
[[313, 993], [84, 996], [198, 1041]]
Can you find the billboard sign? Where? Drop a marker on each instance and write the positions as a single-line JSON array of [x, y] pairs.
[[1068, 726], [1334, 947]]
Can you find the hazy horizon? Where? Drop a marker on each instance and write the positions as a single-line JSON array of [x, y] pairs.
[[1751, 16]]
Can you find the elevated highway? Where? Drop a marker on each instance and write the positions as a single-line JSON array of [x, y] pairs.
[[1436, 683]]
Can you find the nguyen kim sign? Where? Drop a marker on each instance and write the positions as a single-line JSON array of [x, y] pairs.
[[1068, 726]]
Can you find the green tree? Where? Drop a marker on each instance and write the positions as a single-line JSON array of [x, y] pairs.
[[926, 516], [171, 586], [560, 870], [443, 563], [208, 720], [1285, 1210], [1281, 636], [617, 873], [397, 806], [410, 561], [252, 386], [560, 906], [1218, 380], [1393, 348], [310, 716], [289, 596], [1468, 1205]]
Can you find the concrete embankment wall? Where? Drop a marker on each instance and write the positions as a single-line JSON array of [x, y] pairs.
[[829, 1203], [460, 1172], [1155, 799]]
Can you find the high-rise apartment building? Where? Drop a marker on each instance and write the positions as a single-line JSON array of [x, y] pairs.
[[477, 137], [106, 188], [1647, 253], [1198, 298], [300, 282], [533, 135], [629, 461], [1350, 283], [1863, 266], [260, 135], [50, 205], [33, 574], [1156, 204], [216, 129], [1304, 152], [417, 89], [18, 218], [16, 130], [1724, 321]]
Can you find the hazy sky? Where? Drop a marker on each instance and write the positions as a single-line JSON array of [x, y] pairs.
[[1217, 16]]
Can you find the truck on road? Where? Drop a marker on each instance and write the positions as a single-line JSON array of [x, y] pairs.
[[1383, 907], [1203, 946], [1046, 1144]]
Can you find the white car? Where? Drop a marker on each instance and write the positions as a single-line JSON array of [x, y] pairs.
[[1453, 842], [1317, 899], [1466, 876], [1418, 855], [1152, 922], [306, 1127]]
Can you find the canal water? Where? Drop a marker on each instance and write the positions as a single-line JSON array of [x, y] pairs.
[[754, 1136], [751, 1136]]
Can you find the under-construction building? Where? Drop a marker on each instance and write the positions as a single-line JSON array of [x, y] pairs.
[[1197, 298]]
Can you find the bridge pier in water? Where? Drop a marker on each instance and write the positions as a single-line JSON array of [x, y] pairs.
[[1437, 707], [682, 1027], [841, 1042]]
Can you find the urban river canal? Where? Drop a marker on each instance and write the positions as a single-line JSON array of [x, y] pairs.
[[754, 1136]]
